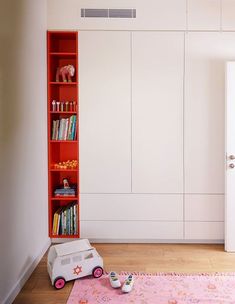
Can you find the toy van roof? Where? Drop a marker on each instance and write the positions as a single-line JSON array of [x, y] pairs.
[[72, 247]]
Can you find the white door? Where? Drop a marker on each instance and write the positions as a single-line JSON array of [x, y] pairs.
[[230, 158]]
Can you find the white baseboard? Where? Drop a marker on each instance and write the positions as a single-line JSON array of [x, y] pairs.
[[25, 275], [147, 241]]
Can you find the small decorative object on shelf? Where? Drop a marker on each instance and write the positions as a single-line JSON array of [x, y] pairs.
[[69, 164], [57, 106], [66, 72], [67, 106], [62, 106], [66, 183], [53, 105]]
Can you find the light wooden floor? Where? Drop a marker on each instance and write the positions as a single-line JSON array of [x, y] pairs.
[[133, 257]]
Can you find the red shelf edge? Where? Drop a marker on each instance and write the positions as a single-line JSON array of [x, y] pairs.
[[62, 53], [63, 170], [63, 83], [63, 141], [74, 198], [63, 112], [70, 236]]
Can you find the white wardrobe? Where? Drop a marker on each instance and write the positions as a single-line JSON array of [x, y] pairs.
[[152, 135]]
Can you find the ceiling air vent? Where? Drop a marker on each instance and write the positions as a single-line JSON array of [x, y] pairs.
[[108, 13]]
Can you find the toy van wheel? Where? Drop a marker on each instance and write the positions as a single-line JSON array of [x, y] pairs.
[[59, 283], [97, 272]]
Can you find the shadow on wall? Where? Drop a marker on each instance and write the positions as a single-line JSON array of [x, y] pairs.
[[21, 109], [11, 32]]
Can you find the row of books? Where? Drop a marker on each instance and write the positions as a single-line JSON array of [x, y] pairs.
[[64, 129], [65, 220]]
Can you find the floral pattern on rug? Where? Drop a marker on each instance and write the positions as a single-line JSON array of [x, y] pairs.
[[157, 289]]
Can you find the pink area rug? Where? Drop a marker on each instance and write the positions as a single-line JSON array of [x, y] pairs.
[[158, 289]]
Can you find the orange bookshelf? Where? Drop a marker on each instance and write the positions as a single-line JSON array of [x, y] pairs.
[[62, 50]]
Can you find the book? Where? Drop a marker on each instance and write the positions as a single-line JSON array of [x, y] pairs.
[[73, 127], [57, 130], [53, 130]]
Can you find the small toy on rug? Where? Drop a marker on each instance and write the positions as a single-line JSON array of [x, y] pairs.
[[115, 282], [128, 284], [73, 260]]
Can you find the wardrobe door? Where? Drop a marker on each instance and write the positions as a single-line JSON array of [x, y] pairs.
[[157, 104], [105, 113]]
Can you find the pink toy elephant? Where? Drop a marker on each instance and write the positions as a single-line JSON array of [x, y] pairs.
[[66, 72]]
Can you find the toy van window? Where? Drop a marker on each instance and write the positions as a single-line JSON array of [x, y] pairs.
[[52, 256], [65, 261], [77, 258], [88, 256]]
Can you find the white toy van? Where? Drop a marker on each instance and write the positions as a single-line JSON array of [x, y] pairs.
[[73, 260]]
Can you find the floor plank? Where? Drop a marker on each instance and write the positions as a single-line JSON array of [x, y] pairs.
[[186, 258]]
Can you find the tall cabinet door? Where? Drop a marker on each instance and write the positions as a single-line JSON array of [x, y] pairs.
[[157, 138], [105, 112]]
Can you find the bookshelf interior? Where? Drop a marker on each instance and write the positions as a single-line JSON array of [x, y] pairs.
[[63, 137]]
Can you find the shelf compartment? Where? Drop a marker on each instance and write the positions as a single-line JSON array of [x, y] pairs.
[[62, 205], [58, 62], [62, 42], [67, 92], [62, 155], [56, 181]]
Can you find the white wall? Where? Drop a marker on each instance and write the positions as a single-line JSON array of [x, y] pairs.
[[178, 51], [199, 15], [23, 144]]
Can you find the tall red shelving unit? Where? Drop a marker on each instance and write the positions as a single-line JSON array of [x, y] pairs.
[[62, 50]]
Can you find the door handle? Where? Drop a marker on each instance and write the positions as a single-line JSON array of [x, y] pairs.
[[231, 166], [232, 157]]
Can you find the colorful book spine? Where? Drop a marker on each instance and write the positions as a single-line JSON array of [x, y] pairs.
[[65, 135], [57, 130], [53, 130], [70, 128], [73, 127]]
